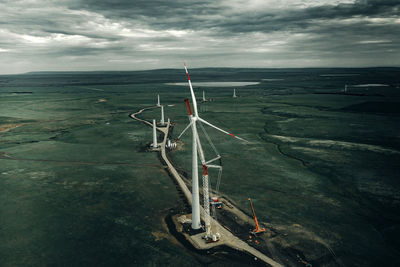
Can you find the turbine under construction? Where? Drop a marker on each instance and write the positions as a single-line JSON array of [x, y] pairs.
[[197, 149]]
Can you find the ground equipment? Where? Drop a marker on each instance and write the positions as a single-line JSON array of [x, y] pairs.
[[258, 229]]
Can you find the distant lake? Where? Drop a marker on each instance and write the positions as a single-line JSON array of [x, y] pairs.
[[339, 74], [216, 84], [370, 85], [271, 80]]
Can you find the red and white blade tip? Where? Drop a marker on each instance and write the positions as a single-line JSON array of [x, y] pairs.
[[237, 137], [187, 73]]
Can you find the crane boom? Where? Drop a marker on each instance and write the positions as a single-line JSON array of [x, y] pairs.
[[258, 229]]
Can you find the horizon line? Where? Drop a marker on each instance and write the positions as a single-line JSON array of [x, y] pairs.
[[156, 69]]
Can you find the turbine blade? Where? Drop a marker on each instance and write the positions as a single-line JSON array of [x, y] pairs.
[[191, 92], [184, 130], [219, 129]]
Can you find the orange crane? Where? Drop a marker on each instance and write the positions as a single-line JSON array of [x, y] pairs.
[[258, 229]]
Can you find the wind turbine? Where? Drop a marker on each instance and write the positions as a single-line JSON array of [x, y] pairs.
[[154, 134], [162, 121], [198, 150]]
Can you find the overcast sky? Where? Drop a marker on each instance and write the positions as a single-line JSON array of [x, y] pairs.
[[44, 35]]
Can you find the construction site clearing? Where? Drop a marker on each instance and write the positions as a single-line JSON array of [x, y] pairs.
[[271, 247]]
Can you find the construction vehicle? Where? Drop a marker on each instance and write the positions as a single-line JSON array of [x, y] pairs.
[[258, 229], [215, 202]]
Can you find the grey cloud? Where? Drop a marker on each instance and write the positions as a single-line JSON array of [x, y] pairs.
[[148, 31], [199, 14]]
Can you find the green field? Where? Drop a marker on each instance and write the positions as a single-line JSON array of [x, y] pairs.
[[78, 189]]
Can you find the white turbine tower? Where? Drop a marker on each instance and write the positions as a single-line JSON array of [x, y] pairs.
[[158, 100], [204, 97], [162, 122], [198, 150], [234, 93], [154, 134]]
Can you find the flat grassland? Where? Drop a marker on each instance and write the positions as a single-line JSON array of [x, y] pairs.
[[321, 166]]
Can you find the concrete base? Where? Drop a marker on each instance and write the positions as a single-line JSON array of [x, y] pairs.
[[198, 241]]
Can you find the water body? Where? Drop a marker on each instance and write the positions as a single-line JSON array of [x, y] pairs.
[[78, 189], [339, 75], [272, 80], [370, 85], [216, 84]]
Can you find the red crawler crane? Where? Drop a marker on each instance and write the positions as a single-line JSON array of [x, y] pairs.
[[258, 229]]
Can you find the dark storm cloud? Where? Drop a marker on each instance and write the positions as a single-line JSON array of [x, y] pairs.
[[177, 9], [306, 20], [194, 15], [237, 32]]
